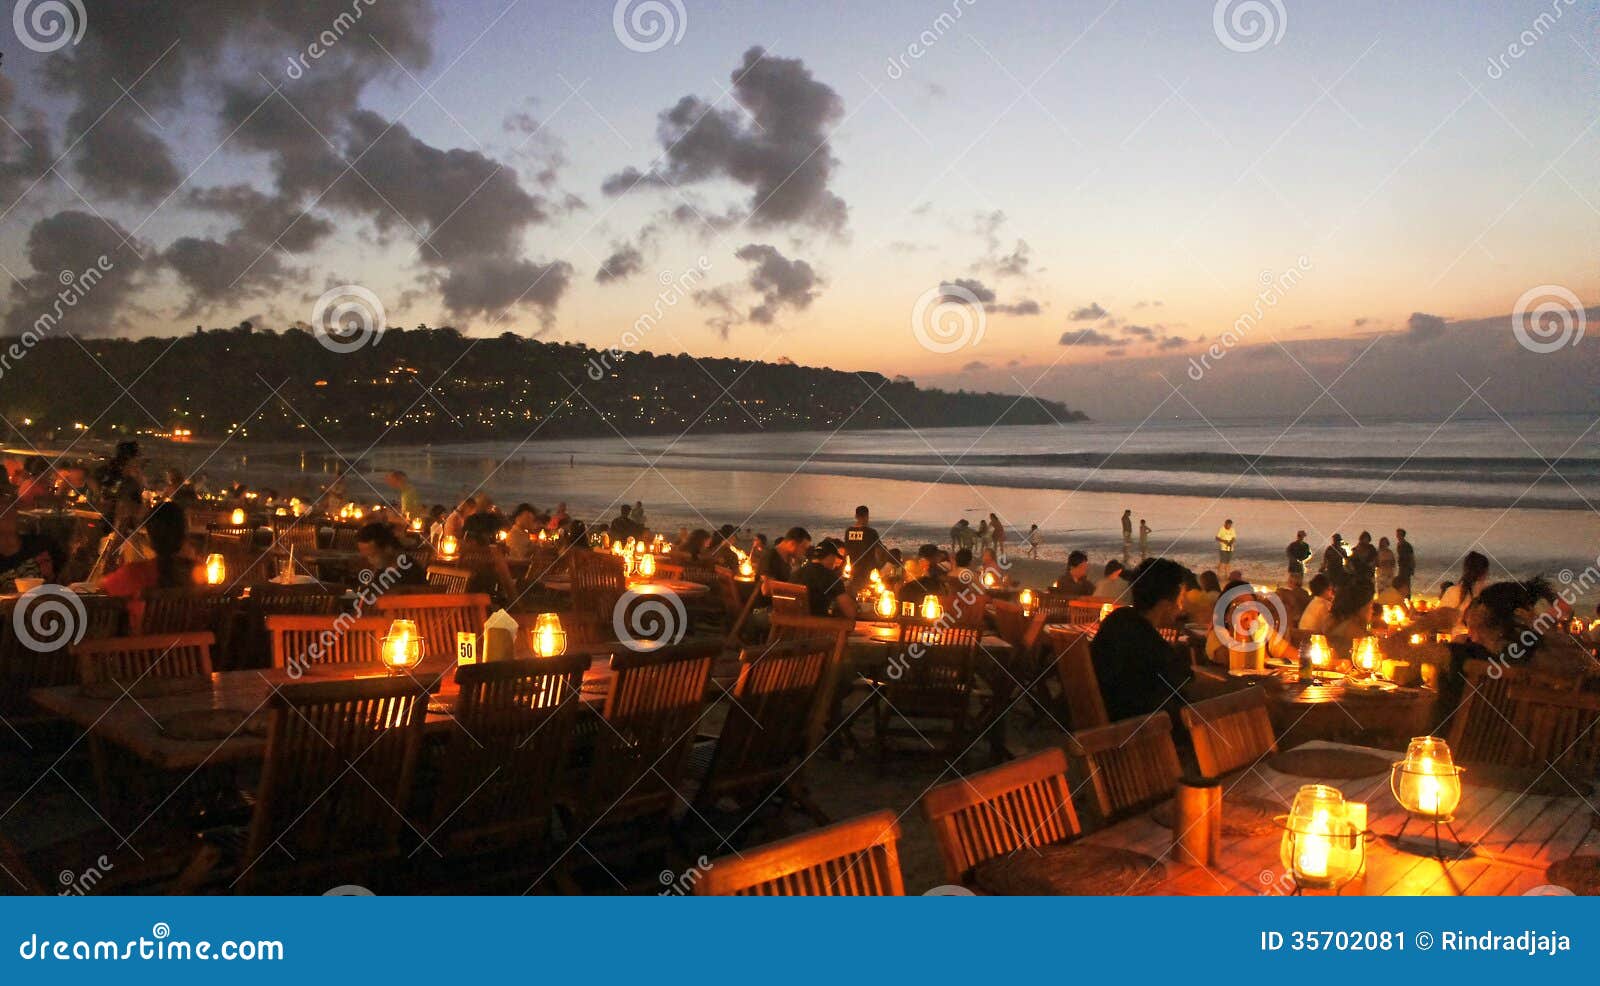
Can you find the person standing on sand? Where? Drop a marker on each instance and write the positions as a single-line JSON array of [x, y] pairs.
[[1144, 540], [1298, 552], [997, 535], [1127, 533], [1334, 560], [863, 547], [1226, 536], [1405, 563], [983, 534], [1386, 564], [1033, 541]]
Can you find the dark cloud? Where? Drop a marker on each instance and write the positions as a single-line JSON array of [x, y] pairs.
[[624, 262], [1423, 327], [492, 283], [965, 290], [1087, 337], [1172, 342], [975, 366], [725, 313], [1358, 323], [25, 156], [1088, 314], [248, 260], [82, 277], [1140, 331], [781, 282], [782, 154], [1016, 263]]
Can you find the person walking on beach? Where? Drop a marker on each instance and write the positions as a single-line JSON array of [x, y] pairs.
[[960, 536], [1144, 540], [1033, 541], [983, 534], [1298, 552], [1334, 561], [1405, 563], [1226, 536], [997, 535], [1127, 533]]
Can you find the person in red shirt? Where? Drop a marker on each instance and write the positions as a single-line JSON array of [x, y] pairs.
[[171, 568]]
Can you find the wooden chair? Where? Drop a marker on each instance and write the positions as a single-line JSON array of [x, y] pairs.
[[597, 582], [1485, 730], [304, 640], [499, 775], [855, 858], [789, 598], [126, 660], [1080, 687], [1025, 803], [927, 685], [344, 537], [24, 667], [221, 537], [337, 774], [1230, 731], [185, 611], [301, 537], [766, 736], [582, 629], [640, 754], [1130, 765], [438, 617], [838, 629], [1086, 609], [1558, 728], [449, 580]]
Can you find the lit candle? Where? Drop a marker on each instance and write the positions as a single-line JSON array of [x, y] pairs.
[[1025, 600], [1364, 653], [216, 570], [931, 608], [647, 567], [237, 517], [1107, 609], [1315, 844], [448, 546], [747, 570], [549, 639], [1427, 788], [402, 647], [988, 580], [887, 604]]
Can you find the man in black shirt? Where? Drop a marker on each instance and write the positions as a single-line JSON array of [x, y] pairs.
[[1405, 562], [1074, 581], [1297, 552], [865, 550], [786, 557], [823, 577], [1139, 672]]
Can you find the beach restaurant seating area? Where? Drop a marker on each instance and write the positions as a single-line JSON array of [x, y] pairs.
[[622, 716]]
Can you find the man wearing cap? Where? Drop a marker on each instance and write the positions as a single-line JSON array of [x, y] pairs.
[[823, 577]]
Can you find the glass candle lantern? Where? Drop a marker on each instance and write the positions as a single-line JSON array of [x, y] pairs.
[[1107, 609], [449, 546], [1025, 600], [887, 605], [1427, 783], [237, 517], [549, 639], [747, 569], [1322, 848], [216, 570], [402, 646], [647, 566], [988, 580], [1314, 656], [416, 525], [932, 609], [1365, 656]]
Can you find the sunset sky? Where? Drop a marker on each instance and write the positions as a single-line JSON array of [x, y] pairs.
[[1118, 176]]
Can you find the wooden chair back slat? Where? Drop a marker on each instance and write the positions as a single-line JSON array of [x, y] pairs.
[[335, 780], [854, 858], [767, 734], [1086, 609], [1129, 765], [439, 617], [1230, 731], [597, 582], [500, 773], [1080, 686], [838, 629], [1557, 727], [1025, 803], [789, 598], [300, 641], [185, 611], [24, 667], [128, 659], [449, 580], [640, 753]]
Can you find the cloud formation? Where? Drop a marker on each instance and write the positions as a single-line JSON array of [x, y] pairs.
[[782, 156], [967, 289], [1088, 313]]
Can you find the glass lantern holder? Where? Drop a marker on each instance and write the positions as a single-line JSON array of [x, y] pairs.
[[1402, 769], [1343, 839]]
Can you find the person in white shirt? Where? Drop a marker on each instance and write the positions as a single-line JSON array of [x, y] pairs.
[[1226, 535], [1113, 585], [1318, 615], [1474, 570]]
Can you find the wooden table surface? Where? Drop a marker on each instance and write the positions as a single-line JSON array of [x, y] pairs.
[[133, 723], [1517, 836]]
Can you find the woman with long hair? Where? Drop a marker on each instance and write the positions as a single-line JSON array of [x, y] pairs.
[[170, 568], [1504, 620], [1474, 569]]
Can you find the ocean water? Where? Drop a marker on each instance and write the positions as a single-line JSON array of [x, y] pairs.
[[1523, 490]]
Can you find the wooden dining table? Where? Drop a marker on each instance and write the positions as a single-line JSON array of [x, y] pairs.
[[1510, 838], [138, 721]]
